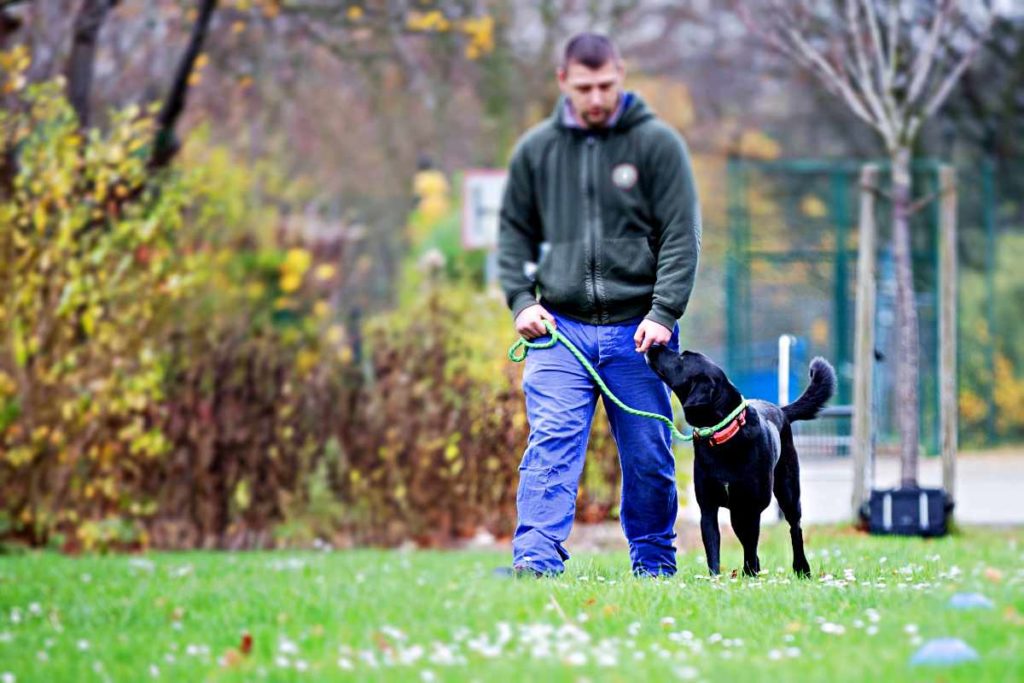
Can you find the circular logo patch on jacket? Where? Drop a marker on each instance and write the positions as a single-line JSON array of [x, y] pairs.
[[624, 176]]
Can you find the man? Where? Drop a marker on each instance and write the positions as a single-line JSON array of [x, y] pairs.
[[601, 197]]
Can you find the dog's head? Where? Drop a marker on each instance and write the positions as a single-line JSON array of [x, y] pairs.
[[701, 386]]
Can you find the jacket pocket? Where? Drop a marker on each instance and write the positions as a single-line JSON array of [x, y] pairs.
[[561, 274], [628, 261]]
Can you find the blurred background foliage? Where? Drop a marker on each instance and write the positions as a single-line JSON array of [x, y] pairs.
[[235, 310]]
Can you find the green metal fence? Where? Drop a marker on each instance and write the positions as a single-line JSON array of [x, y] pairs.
[[790, 269]]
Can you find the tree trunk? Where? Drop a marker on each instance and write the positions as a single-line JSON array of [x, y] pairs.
[[907, 365], [165, 144], [85, 35]]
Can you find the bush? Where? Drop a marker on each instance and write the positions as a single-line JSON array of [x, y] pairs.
[[173, 376], [90, 273]]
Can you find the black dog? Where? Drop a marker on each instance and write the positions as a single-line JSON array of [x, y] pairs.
[[742, 464]]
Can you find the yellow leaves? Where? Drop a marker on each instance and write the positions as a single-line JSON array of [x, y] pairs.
[[7, 384], [354, 13], [39, 217], [973, 408], [13, 65], [756, 144], [345, 355], [321, 309], [430, 183], [451, 452], [325, 272], [20, 456], [432, 187], [480, 31], [306, 360], [243, 496], [115, 154], [196, 77], [88, 321], [1009, 395], [434, 20], [290, 282], [813, 207], [819, 331], [294, 267]]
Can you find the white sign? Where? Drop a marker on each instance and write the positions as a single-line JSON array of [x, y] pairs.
[[482, 191]]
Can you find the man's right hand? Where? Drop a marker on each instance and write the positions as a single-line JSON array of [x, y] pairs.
[[530, 321]]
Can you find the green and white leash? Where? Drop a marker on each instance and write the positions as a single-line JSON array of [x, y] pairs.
[[517, 354]]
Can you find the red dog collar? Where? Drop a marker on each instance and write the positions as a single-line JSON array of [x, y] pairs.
[[729, 431]]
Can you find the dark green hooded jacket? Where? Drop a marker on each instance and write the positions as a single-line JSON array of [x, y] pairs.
[[610, 216]]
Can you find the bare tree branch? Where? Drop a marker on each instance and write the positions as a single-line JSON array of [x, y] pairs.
[[926, 57], [165, 144], [947, 85], [894, 37], [790, 43], [866, 82], [837, 82]]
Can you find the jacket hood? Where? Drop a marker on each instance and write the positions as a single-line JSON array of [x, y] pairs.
[[634, 111]]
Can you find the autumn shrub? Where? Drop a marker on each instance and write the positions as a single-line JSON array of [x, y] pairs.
[[1003, 380], [172, 372], [89, 275], [146, 383], [431, 448]]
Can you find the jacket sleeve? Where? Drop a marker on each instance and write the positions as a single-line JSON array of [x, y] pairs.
[[675, 206], [519, 235]]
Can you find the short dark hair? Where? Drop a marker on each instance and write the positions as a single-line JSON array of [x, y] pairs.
[[592, 50]]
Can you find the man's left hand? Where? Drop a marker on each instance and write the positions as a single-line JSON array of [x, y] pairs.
[[650, 333]]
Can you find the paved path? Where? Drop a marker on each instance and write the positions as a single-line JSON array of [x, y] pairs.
[[990, 488]]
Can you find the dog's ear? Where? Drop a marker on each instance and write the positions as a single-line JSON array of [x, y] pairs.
[[704, 381], [702, 391]]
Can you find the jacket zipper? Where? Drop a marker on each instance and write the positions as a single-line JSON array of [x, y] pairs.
[[590, 173]]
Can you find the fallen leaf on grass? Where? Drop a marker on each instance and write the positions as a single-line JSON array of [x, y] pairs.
[[1012, 616], [994, 575]]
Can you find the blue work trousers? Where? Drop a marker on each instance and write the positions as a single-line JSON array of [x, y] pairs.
[[560, 401]]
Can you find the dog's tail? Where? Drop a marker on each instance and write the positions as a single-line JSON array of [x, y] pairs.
[[817, 393]]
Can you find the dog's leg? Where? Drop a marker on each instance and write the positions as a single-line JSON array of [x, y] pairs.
[[711, 536], [747, 525], [787, 492]]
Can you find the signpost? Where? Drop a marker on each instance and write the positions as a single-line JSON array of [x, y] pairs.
[[482, 191]]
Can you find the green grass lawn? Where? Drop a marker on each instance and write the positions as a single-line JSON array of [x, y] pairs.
[[379, 615]]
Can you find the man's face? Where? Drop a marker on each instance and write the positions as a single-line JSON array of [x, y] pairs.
[[593, 93]]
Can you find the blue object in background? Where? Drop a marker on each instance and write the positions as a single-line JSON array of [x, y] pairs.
[[945, 651], [970, 601]]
